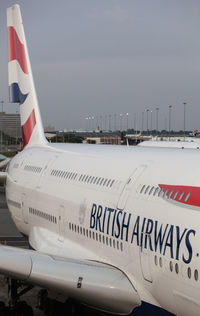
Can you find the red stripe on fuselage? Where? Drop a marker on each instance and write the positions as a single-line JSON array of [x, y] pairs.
[[28, 127], [194, 197], [16, 49]]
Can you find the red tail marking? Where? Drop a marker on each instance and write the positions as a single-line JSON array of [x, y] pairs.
[[16, 49], [28, 127]]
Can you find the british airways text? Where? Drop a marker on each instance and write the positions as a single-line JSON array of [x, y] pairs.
[[145, 232]]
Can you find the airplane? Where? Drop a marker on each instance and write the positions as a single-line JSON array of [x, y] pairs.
[[108, 226], [170, 144]]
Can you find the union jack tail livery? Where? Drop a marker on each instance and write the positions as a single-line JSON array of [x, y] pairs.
[[20, 80]]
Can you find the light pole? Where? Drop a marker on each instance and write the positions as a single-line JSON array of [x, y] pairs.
[[101, 127], [89, 123], [142, 121], [157, 109], [136, 125], [92, 123], [121, 122], [170, 107], [115, 122], [2, 102], [97, 121], [151, 121], [147, 110], [127, 122], [105, 122], [184, 107], [16, 129], [109, 122], [86, 123]]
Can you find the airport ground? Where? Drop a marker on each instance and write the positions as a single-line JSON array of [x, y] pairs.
[[10, 235]]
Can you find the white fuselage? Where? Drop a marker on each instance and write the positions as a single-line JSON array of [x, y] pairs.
[[86, 201]]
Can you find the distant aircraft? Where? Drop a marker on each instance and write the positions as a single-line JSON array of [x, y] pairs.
[[110, 226], [170, 144]]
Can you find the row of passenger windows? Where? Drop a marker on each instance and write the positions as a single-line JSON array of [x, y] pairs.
[[33, 168], [96, 236], [82, 178], [44, 215], [166, 193], [175, 267]]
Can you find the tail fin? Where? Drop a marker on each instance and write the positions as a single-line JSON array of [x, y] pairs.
[[20, 80]]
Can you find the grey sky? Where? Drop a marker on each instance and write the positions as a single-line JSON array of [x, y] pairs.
[[104, 57]]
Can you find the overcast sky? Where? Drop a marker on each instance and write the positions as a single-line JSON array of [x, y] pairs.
[[106, 57]]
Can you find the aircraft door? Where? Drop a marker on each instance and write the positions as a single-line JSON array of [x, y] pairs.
[[145, 262], [24, 208], [128, 186], [61, 219]]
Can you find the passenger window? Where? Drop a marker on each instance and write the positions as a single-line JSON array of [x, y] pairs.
[[165, 193], [101, 181], [175, 195], [187, 197], [146, 190], [181, 195], [86, 178], [112, 183], [176, 268], [108, 182], [196, 275], [170, 194], [105, 182], [151, 190], [155, 191], [89, 179]]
